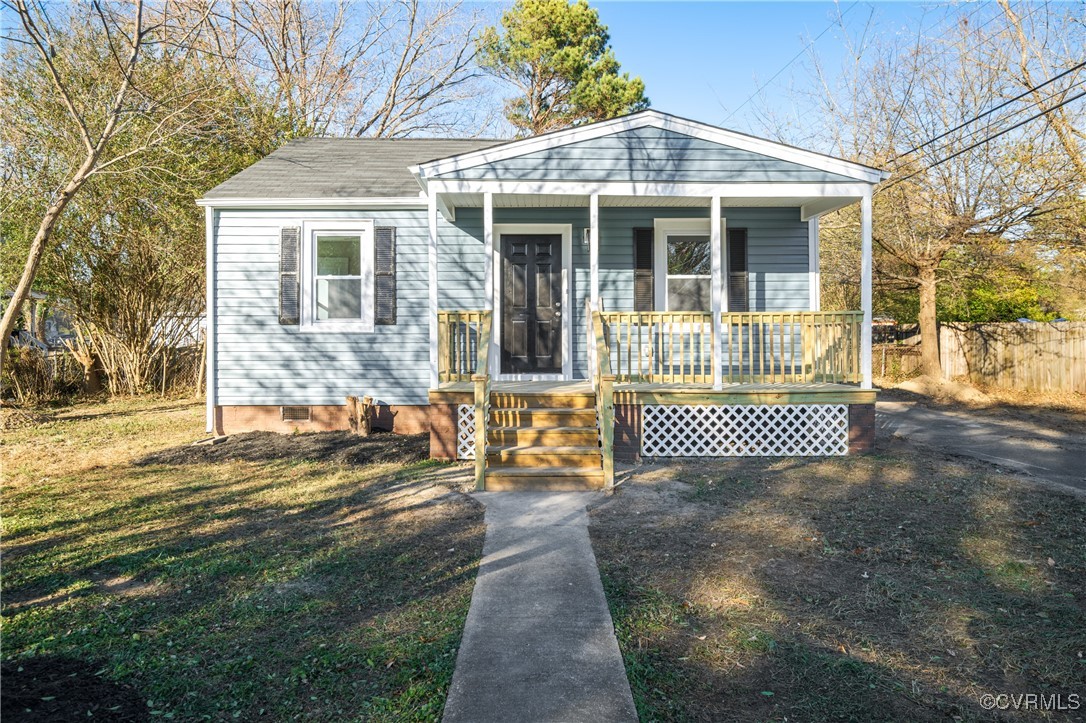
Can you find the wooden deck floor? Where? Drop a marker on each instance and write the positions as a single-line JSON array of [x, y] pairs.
[[659, 393]]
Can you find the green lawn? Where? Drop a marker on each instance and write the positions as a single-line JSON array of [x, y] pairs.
[[226, 588], [896, 586]]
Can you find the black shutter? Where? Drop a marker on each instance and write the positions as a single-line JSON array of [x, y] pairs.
[[643, 273], [289, 302], [738, 288], [384, 282]]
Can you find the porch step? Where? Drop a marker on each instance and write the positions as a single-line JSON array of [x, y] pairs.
[[543, 417], [573, 400], [543, 440], [543, 479], [536, 456], [557, 436]]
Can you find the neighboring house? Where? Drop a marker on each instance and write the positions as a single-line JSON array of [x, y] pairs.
[[647, 285]]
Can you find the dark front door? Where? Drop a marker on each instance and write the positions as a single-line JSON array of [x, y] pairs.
[[531, 304]]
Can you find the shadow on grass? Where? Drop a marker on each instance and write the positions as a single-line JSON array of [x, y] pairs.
[[898, 586], [265, 586], [57, 689]]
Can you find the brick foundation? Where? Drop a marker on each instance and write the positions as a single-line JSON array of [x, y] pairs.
[[443, 431], [628, 432], [861, 428], [399, 419]]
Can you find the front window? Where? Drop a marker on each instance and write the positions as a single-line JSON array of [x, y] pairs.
[[689, 273], [338, 278]]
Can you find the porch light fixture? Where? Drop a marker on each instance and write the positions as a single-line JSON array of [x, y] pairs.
[[586, 237]]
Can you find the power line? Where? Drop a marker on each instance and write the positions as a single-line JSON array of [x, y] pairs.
[[991, 110], [981, 142], [1007, 117], [789, 63]]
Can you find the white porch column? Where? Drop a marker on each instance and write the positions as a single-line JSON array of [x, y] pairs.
[[431, 211], [488, 250], [865, 288], [814, 273], [594, 248], [717, 255]]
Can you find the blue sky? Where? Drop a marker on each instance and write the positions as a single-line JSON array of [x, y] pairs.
[[698, 58]]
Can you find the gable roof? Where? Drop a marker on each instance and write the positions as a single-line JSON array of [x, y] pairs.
[[648, 142], [340, 168]]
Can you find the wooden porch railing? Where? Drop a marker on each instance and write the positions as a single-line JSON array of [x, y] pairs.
[[603, 384], [481, 381], [756, 347], [458, 344]]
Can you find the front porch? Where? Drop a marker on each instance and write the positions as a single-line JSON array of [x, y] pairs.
[[777, 384]]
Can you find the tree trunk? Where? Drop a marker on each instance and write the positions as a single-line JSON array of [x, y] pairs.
[[37, 250], [929, 327]]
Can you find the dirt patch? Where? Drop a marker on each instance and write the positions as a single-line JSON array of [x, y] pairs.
[[891, 586], [53, 688], [339, 447], [945, 390]]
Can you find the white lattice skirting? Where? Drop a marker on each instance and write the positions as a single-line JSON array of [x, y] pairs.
[[767, 430], [465, 431]]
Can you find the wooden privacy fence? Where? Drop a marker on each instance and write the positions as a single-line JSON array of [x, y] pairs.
[[1038, 356], [756, 347], [458, 334]]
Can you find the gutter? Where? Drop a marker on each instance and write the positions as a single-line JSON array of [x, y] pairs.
[[293, 203], [211, 381]]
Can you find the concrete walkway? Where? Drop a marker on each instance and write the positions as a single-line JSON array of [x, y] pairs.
[[539, 644], [1048, 454]]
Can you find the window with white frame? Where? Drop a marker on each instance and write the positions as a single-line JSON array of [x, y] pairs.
[[683, 263], [339, 280], [689, 272]]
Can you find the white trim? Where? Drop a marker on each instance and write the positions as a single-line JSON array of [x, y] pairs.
[[814, 274], [594, 247], [488, 249], [566, 230], [209, 331], [822, 206], [651, 119], [727, 191], [431, 265], [307, 273], [306, 202], [716, 244], [865, 290]]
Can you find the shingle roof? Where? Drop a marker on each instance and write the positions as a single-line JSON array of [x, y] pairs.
[[341, 168]]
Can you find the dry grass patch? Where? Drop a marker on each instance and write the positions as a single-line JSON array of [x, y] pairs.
[[895, 586]]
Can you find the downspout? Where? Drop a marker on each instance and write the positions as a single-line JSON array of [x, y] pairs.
[[209, 338]]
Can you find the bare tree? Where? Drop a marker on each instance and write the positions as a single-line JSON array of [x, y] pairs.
[[963, 187], [98, 110], [386, 69]]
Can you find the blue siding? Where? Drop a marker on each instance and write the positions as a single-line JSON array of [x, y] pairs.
[[261, 362], [776, 249], [648, 155]]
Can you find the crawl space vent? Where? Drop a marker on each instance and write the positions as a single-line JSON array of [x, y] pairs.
[[294, 414]]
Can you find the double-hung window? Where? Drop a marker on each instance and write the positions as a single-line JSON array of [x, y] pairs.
[[338, 283], [689, 273], [683, 263]]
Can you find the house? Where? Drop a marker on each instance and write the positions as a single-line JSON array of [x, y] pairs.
[[639, 287]]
